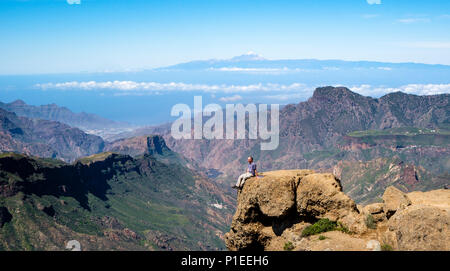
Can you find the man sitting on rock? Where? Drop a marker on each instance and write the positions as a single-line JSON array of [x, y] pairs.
[[251, 172]]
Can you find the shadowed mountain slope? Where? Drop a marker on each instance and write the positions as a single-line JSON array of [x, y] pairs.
[[109, 202], [45, 138]]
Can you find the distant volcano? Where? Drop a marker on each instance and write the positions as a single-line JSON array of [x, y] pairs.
[[249, 56]]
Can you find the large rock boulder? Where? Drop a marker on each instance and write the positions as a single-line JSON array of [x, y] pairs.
[[248, 236], [419, 227], [376, 210], [267, 201], [271, 207], [423, 225], [321, 196], [273, 194], [394, 200]]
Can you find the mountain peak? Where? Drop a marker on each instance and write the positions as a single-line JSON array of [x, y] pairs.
[[18, 103], [249, 56], [156, 145], [330, 91], [251, 53]]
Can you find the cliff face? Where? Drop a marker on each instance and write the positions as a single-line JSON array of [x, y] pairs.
[[150, 144], [153, 145], [276, 212]]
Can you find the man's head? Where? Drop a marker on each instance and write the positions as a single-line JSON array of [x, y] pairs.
[[250, 159]]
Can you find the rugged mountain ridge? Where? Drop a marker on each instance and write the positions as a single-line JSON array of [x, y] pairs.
[[154, 145], [320, 122], [317, 134], [303, 210], [254, 61], [45, 138], [61, 114]]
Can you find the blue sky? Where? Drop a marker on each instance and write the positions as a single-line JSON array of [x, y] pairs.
[[96, 55], [53, 36]]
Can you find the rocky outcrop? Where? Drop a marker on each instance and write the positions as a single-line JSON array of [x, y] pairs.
[[376, 210], [157, 145], [394, 200], [421, 222], [419, 227], [288, 200], [148, 144], [321, 196], [154, 146], [274, 210], [266, 207]]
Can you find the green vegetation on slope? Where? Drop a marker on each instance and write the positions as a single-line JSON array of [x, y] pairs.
[[404, 137], [107, 201], [323, 225], [407, 131]]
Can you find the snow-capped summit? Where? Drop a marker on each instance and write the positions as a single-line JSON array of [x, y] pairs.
[[249, 56]]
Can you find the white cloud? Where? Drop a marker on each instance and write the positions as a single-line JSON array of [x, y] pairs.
[[72, 2], [413, 20], [282, 92], [374, 2], [153, 87], [231, 98], [331, 68], [290, 96], [426, 89], [418, 89]]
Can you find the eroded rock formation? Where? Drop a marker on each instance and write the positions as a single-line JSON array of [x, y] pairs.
[[273, 211]]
